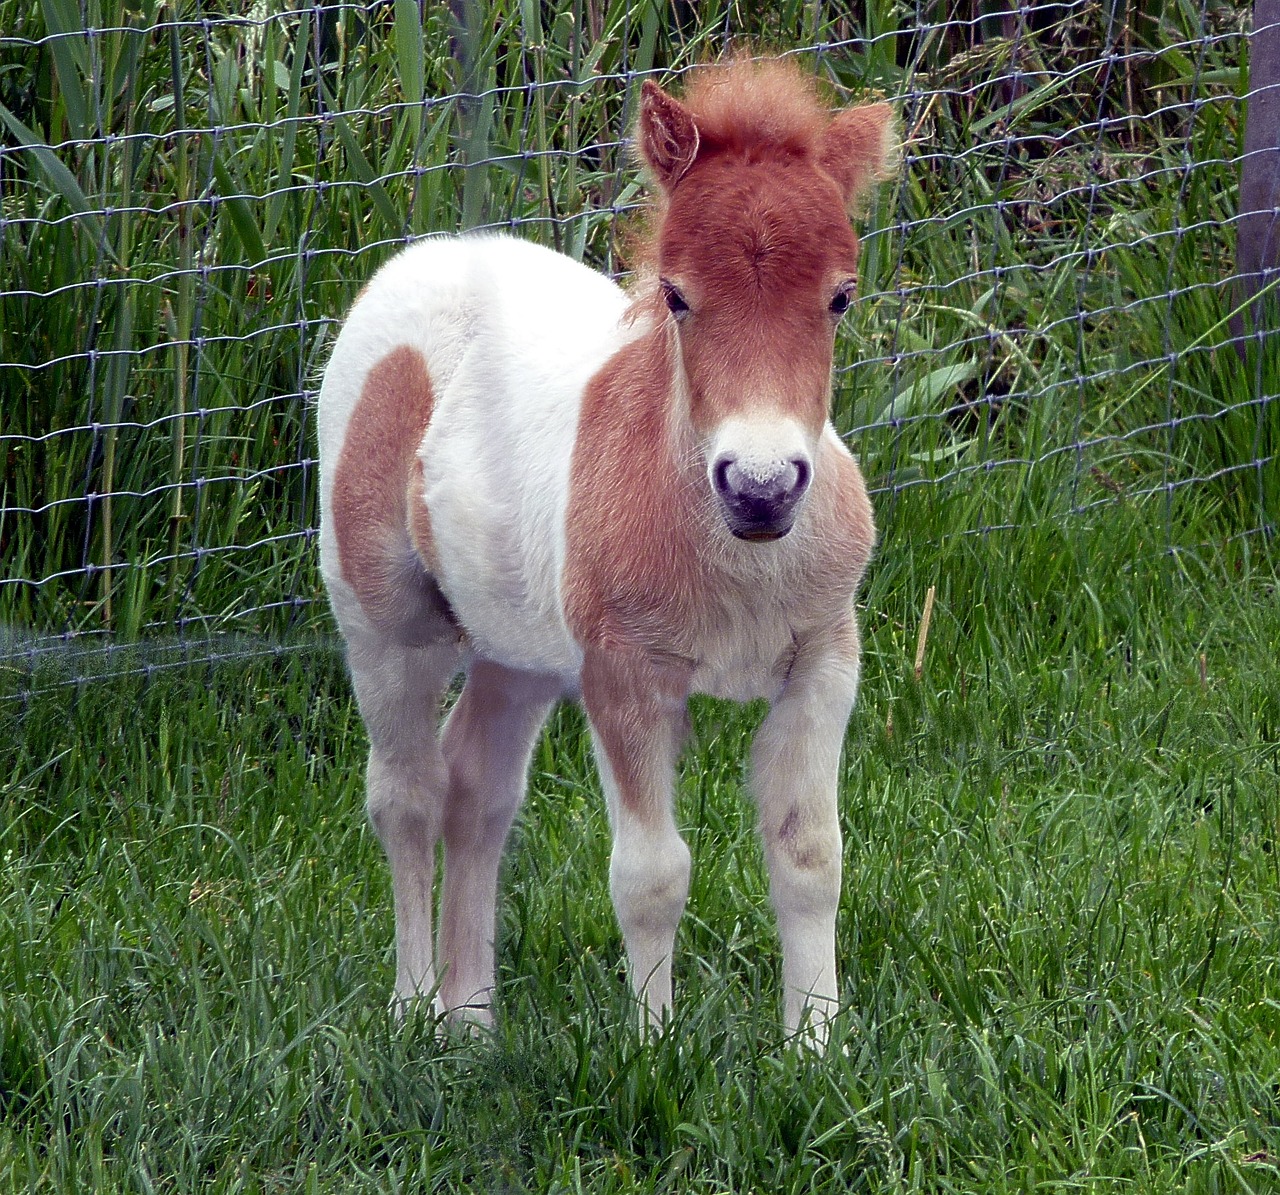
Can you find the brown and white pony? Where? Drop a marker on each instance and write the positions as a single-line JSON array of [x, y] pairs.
[[562, 489]]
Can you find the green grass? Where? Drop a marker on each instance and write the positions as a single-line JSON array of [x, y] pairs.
[[1060, 933]]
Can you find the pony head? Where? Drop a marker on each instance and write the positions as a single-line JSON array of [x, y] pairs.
[[756, 263]]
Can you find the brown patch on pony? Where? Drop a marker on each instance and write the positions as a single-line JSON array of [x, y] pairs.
[[796, 838], [755, 179], [745, 103], [637, 705], [759, 249], [806, 841], [633, 573], [384, 546]]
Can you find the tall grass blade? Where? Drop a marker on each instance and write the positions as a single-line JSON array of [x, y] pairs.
[[69, 50], [409, 51], [293, 115], [240, 213], [60, 179]]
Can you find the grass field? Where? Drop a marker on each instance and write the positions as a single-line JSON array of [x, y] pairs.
[[1061, 926], [1060, 934]]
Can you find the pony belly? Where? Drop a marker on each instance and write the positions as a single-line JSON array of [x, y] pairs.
[[498, 476], [502, 580]]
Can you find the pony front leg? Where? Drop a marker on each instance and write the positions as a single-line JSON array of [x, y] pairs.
[[795, 767], [636, 706]]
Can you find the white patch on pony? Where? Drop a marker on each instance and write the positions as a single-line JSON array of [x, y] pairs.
[[795, 771], [511, 333], [761, 447], [497, 457], [649, 869]]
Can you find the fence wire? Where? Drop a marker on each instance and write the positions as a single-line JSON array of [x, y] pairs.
[[1050, 321]]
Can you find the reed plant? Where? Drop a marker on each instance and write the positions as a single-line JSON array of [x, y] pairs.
[[190, 205]]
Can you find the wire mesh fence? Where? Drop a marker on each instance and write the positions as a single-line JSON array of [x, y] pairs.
[[1049, 327]]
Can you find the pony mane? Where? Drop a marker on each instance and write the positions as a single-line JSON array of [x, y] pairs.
[[741, 105], [744, 104]]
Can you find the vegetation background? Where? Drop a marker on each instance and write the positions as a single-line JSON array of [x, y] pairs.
[[1061, 931]]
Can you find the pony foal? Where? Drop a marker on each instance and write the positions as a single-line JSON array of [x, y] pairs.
[[560, 489]]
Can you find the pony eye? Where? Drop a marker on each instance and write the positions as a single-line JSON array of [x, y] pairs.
[[840, 304], [674, 299]]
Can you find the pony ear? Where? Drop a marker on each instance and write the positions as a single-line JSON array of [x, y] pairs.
[[860, 147], [667, 137]]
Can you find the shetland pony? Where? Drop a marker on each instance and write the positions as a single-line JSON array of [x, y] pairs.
[[563, 489]]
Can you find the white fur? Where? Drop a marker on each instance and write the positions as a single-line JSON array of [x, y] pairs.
[[761, 447], [511, 332]]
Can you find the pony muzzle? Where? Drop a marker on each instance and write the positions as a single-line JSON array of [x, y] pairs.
[[760, 503]]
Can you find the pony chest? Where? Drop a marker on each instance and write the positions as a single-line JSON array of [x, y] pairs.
[[744, 658], [733, 611]]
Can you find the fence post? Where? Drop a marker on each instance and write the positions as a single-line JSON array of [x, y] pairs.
[[1258, 230]]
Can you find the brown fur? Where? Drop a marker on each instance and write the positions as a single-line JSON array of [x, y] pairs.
[[752, 228], [382, 543], [420, 533], [769, 104], [635, 573], [636, 702], [649, 561], [758, 250]]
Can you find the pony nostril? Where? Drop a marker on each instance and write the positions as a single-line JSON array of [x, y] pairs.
[[720, 475], [803, 474]]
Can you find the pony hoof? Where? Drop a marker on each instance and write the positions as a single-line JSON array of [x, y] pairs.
[[468, 1023], [401, 1007]]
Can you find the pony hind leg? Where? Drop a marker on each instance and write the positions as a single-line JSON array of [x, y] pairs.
[[399, 690], [487, 741]]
